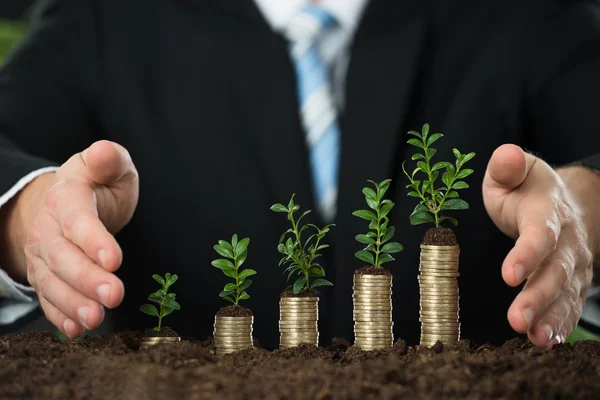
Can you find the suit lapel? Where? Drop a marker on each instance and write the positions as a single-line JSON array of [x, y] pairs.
[[380, 87]]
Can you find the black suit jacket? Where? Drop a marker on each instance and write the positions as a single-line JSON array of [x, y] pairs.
[[202, 93]]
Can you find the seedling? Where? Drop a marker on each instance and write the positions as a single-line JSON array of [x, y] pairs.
[[235, 254], [378, 243], [434, 201], [301, 255], [166, 301]]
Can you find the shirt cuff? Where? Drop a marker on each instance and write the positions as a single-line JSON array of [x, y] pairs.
[[9, 289]]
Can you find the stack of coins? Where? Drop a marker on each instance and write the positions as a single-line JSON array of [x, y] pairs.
[[372, 298], [438, 285], [298, 321], [152, 340], [232, 334]]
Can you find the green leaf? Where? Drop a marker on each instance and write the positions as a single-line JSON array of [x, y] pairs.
[[416, 143], [464, 173], [167, 311], [423, 165], [414, 194], [383, 187], [234, 241], [447, 178], [440, 165], [364, 239], [455, 204], [365, 214], [281, 248], [322, 246], [392, 247], [453, 221], [431, 139], [320, 282], [159, 279], [279, 208], [230, 272], [230, 287], [225, 244], [171, 296], [242, 246], [414, 133], [373, 225], [149, 309], [452, 195], [304, 214], [229, 299], [468, 157], [369, 193], [172, 279], [316, 271], [457, 154], [460, 185], [222, 264], [241, 258], [246, 273], [429, 153], [291, 205], [172, 304], [158, 294], [154, 300], [421, 218], [246, 284], [425, 130], [365, 256], [372, 203], [299, 284], [417, 156], [244, 296], [385, 210], [388, 234], [383, 258], [371, 234], [225, 293], [223, 251]]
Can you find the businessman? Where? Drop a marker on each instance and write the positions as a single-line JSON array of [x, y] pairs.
[[135, 135]]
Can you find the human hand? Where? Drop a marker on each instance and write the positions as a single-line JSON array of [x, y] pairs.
[[528, 201], [69, 219]]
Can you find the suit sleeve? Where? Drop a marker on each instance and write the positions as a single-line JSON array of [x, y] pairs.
[[48, 91], [564, 82]]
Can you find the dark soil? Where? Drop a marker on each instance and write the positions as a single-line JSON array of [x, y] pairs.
[[440, 237], [165, 331], [304, 293], [371, 270], [234, 311], [38, 366]]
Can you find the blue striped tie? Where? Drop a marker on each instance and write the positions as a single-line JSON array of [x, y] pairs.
[[317, 109]]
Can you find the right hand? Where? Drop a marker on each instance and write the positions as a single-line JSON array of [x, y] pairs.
[[70, 250]]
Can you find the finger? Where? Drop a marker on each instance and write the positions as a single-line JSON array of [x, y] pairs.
[[570, 323], [60, 320], [73, 206], [73, 266], [539, 230], [508, 167], [103, 163], [543, 288], [550, 322], [73, 304]]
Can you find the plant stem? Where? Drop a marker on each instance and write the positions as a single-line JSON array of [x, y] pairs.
[[431, 188], [160, 314], [378, 242]]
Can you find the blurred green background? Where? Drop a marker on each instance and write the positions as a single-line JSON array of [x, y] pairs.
[[11, 31]]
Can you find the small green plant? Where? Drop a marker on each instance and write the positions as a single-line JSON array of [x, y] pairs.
[[378, 243], [166, 300], [301, 255], [235, 254], [433, 201]]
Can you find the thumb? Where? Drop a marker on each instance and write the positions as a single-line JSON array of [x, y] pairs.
[[108, 163], [508, 167]]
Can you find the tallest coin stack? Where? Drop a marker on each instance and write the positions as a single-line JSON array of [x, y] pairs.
[[439, 312]]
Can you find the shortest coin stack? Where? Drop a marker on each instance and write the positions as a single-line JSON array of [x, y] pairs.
[[232, 334], [439, 313], [298, 321], [372, 298]]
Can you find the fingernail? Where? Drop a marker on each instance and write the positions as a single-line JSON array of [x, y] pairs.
[[83, 313], [528, 315], [519, 270], [103, 292], [102, 257], [553, 342], [69, 327], [549, 331]]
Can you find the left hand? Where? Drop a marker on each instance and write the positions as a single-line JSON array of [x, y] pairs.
[[528, 201]]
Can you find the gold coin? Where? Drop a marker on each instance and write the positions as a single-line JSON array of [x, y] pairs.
[[381, 324], [372, 290], [373, 304], [438, 289], [231, 335], [304, 324], [294, 343], [440, 285], [373, 344], [226, 343], [298, 312], [372, 277], [427, 320], [233, 328], [374, 294], [372, 313], [432, 336], [298, 307], [440, 274], [295, 335], [453, 247]]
